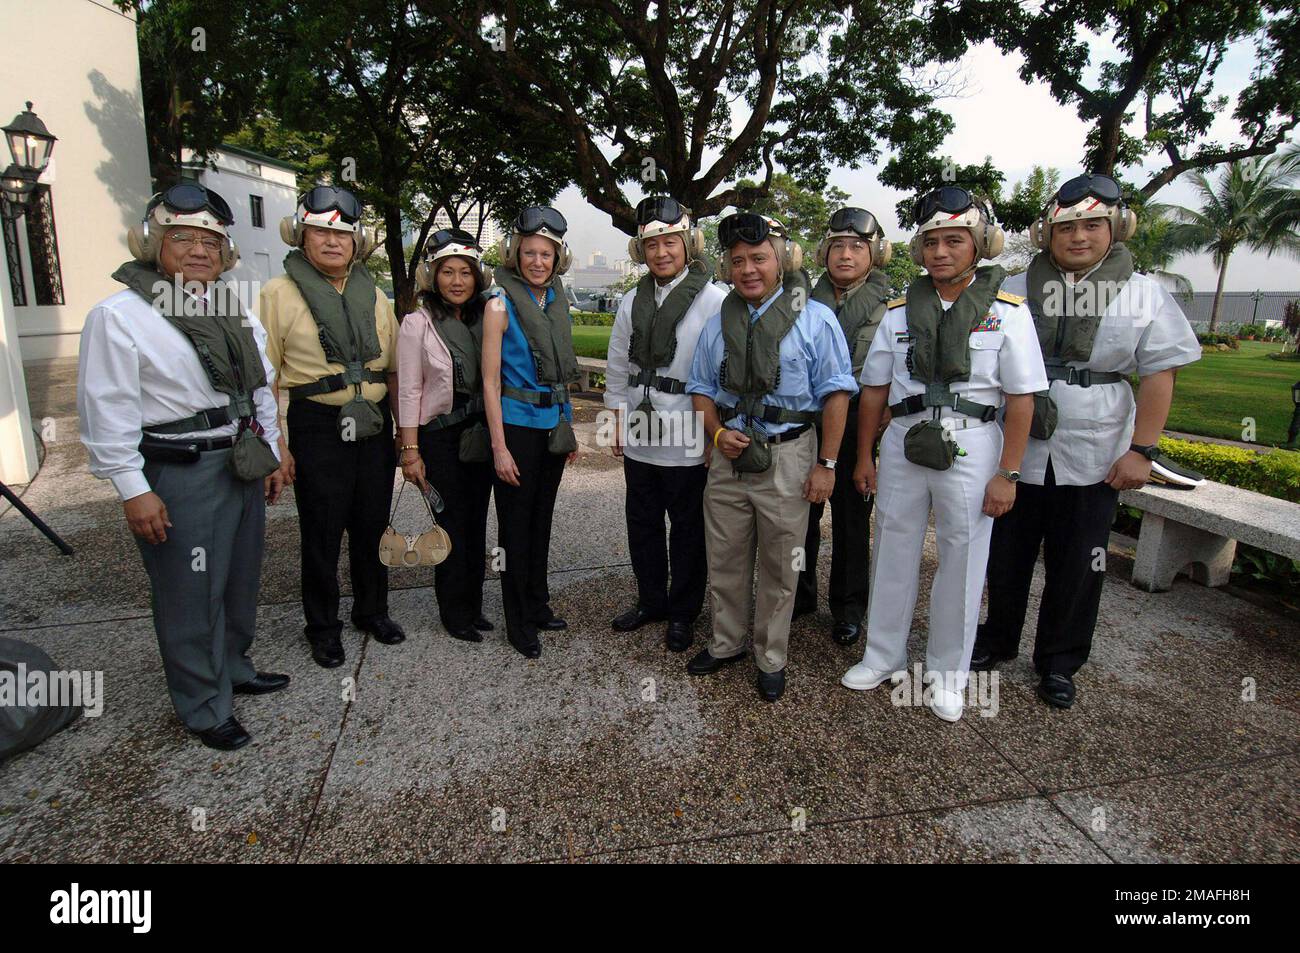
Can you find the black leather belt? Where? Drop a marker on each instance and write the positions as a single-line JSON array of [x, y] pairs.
[[791, 434]]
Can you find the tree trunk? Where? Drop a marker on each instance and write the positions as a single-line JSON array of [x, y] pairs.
[[403, 286], [1218, 294]]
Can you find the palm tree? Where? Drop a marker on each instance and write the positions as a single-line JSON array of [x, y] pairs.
[[1254, 203]]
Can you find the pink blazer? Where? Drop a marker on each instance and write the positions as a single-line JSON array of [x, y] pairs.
[[424, 371]]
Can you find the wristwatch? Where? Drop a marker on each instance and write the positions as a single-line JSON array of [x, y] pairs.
[[1011, 476], [824, 462], [1151, 452]]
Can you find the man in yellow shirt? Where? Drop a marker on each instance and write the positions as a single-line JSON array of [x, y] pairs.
[[331, 337]]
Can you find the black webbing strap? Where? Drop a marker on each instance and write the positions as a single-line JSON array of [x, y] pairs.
[[1081, 376], [557, 395], [648, 378], [336, 382], [209, 419], [466, 410], [939, 396], [770, 414]]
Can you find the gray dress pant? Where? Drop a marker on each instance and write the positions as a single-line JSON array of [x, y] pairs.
[[204, 582]]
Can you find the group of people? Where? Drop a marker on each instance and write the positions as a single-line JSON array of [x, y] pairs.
[[999, 404]]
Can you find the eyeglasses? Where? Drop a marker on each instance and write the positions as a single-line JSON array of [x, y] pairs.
[[186, 240], [660, 208], [538, 217], [1101, 187], [325, 198], [857, 220], [854, 244], [190, 197], [747, 227], [952, 199]]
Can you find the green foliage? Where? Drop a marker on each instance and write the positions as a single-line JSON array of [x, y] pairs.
[[802, 208], [902, 271], [1215, 339], [1273, 473], [1221, 393], [595, 319]]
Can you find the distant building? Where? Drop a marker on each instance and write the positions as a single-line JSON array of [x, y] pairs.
[[597, 260], [260, 191], [1237, 308], [469, 221], [595, 279]]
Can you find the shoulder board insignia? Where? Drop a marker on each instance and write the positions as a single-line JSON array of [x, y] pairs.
[[1008, 297], [897, 303]]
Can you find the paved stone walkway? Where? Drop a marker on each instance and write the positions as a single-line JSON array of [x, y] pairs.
[[603, 749]]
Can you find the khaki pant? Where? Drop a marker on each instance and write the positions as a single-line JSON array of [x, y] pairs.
[[759, 517]]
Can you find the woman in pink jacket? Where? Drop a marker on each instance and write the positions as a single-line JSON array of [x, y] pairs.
[[440, 416]]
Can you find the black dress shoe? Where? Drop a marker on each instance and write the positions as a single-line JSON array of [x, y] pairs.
[[553, 624], [466, 633], [771, 685], [227, 736], [384, 630], [1057, 690], [679, 636], [531, 649], [483, 625], [633, 619], [982, 660], [706, 664], [846, 633], [263, 683], [327, 650]]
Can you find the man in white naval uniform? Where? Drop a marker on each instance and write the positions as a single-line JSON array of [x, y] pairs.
[[174, 395], [947, 357], [1098, 322], [658, 434]]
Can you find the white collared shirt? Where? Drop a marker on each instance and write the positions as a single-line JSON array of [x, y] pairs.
[[1142, 330], [1004, 359], [619, 396], [137, 370]]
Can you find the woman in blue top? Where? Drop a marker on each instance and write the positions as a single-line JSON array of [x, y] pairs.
[[528, 364]]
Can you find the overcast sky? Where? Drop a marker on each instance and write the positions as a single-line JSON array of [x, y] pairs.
[[1020, 126]]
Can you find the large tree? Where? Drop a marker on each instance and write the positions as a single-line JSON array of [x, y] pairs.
[[692, 97], [1118, 60]]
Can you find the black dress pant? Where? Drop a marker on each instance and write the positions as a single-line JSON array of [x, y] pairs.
[[340, 485], [850, 580], [1072, 524], [524, 531], [465, 489], [678, 492]]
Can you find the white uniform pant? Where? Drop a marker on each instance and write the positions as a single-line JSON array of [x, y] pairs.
[[905, 495]]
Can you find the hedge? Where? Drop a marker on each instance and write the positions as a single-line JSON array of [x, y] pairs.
[[598, 319], [1273, 473], [1228, 339]]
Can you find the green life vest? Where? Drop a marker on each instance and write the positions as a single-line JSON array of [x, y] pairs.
[[940, 350], [1067, 315], [859, 311], [346, 323], [654, 327], [549, 332], [222, 336], [751, 362], [465, 345]]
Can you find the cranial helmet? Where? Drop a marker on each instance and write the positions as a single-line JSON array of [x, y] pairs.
[[538, 220], [1083, 197], [448, 243], [663, 215], [334, 208], [954, 207], [754, 229], [856, 223], [186, 203]]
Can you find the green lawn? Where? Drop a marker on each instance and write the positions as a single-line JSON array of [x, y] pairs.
[[590, 341], [1214, 394], [1211, 397]]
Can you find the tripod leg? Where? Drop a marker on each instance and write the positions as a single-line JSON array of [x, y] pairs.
[[35, 520]]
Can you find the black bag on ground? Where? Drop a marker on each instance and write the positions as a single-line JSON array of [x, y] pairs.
[[23, 727]]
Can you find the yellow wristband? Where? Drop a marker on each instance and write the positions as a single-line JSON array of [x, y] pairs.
[[715, 436]]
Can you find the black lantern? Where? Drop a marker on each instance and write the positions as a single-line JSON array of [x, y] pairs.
[[30, 143]]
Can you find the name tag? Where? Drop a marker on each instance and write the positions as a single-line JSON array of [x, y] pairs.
[[902, 337]]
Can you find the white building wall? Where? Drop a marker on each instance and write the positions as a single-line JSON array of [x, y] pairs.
[[76, 61], [236, 178]]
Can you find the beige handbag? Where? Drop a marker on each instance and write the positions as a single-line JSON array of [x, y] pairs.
[[424, 549]]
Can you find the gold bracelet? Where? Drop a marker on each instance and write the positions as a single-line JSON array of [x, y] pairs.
[[410, 446], [715, 436]]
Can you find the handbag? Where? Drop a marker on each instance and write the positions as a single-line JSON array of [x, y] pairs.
[[423, 549]]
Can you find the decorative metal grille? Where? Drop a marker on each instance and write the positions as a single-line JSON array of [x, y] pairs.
[[13, 258], [43, 245]]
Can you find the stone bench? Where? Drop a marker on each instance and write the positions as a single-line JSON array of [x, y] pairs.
[[589, 366], [1198, 530]]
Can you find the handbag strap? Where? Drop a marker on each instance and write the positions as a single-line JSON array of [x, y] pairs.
[[396, 502]]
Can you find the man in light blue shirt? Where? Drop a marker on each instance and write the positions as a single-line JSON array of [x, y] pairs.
[[763, 369]]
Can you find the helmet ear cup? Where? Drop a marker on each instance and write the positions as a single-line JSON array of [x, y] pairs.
[[365, 241], [724, 268], [1125, 224], [914, 246], [487, 276], [823, 250], [506, 251], [994, 240], [289, 230], [563, 259], [695, 246], [884, 252], [137, 240], [423, 280], [229, 255], [1039, 233], [793, 258], [635, 252]]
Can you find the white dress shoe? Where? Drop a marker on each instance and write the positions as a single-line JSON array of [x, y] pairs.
[[945, 704], [862, 677]]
